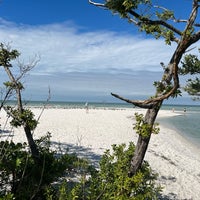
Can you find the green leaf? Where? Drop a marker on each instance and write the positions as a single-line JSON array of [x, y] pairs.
[[18, 162]]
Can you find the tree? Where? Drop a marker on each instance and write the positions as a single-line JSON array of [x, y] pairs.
[[159, 22], [21, 117], [191, 65]]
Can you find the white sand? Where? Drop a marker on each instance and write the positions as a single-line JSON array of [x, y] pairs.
[[89, 134]]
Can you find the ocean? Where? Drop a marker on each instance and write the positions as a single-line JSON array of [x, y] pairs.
[[187, 124]]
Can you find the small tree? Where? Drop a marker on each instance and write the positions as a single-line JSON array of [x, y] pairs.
[[20, 116], [159, 22]]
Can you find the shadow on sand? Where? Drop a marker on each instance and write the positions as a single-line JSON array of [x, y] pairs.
[[6, 133], [94, 159], [80, 151]]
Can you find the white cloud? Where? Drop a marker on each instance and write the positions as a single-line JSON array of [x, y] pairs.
[[78, 64], [64, 48]]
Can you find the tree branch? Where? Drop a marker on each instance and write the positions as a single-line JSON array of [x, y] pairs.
[[97, 4], [195, 37], [185, 21], [24, 68], [5, 98], [141, 104], [193, 16], [174, 18], [154, 22], [143, 19]]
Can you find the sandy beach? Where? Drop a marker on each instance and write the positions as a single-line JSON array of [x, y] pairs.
[[89, 134]]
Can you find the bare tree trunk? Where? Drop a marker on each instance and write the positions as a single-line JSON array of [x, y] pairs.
[[31, 142], [142, 143]]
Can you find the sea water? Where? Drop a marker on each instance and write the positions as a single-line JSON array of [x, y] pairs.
[[187, 123]]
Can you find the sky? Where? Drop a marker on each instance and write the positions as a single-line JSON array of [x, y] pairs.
[[84, 52]]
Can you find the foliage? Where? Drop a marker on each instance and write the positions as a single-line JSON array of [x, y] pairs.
[[8, 196], [165, 15], [111, 181], [144, 129], [191, 65], [22, 178], [193, 86], [11, 85], [123, 6], [22, 118], [162, 88], [145, 20], [6, 55]]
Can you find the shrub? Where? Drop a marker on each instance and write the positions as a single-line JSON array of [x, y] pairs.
[[22, 178], [111, 181]]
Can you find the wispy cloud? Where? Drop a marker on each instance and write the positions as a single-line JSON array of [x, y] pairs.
[[76, 63], [64, 48]]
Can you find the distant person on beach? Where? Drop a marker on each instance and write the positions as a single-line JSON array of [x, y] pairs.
[[86, 107], [184, 110]]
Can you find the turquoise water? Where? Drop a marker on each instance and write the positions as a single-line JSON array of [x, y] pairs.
[[187, 124]]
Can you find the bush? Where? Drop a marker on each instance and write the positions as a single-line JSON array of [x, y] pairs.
[[22, 178], [111, 181]]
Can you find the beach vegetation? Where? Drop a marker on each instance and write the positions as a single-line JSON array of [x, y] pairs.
[[143, 128], [22, 178], [66, 176], [26, 117], [156, 20], [115, 183], [191, 66], [111, 180]]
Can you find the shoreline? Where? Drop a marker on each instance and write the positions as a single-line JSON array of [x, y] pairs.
[[90, 134], [165, 121]]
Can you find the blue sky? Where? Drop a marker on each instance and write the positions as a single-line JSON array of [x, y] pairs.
[[85, 52]]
